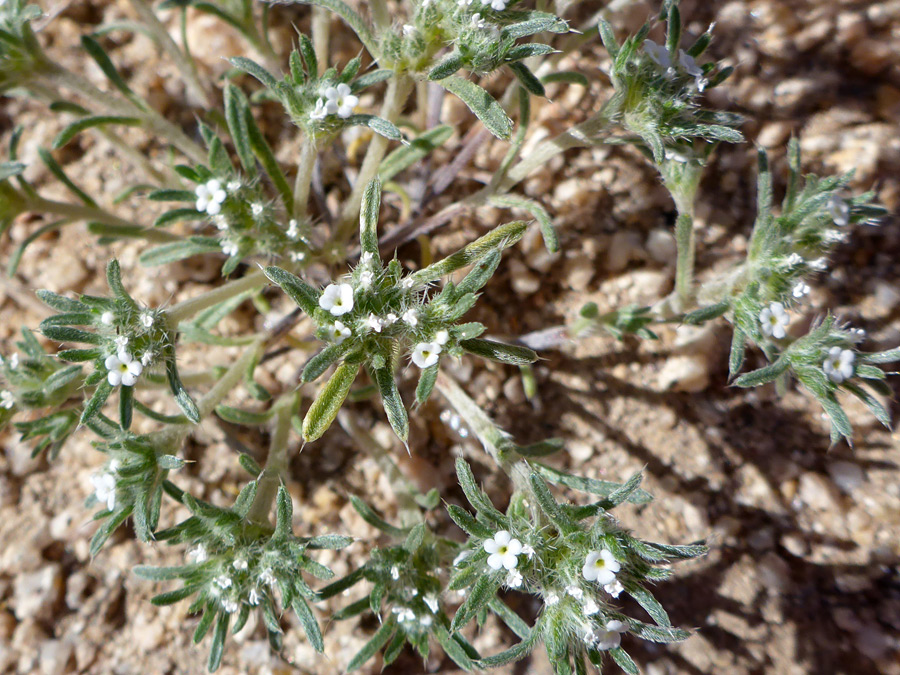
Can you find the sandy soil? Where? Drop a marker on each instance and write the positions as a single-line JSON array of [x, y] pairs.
[[803, 575]]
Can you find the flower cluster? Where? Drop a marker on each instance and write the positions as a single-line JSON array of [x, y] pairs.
[[337, 101], [210, 197]]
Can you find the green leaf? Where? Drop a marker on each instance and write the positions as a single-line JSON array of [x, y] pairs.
[[179, 250], [527, 79], [252, 68], [620, 656], [427, 380], [182, 398], [235, 114], [887, 356], [284, 514], [245, 417], [310, 625], [763, 375], [497, 351], [467, 523], [515, 623], [306, 297], [368, 218], [10, 169], [551, 239], [379, 125], [475, 494], [96, 52], [481, 103], [109, 526], [598, 487], [447, 67], [567, 77], [478, 598], [319, 363], [406, 155], [704, 314], [178, 595], [328, 401], [452, 648], [373, 519], [354, 20], [648, 602], [101, 393], [550, 506], [218, 642], [393, 404], [379, 640], [69, 132], [61, 176], [266, 157]]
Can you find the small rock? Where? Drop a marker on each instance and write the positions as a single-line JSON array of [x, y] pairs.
[[761, 539], [817, 493], [624, 246], [774, 573], [684, 373], [56, 657], [887, 296], [36, 593], [661, 246], [512, 390], [872, 641], [846, 475], [523, 281], [794, 544], [580, 451]]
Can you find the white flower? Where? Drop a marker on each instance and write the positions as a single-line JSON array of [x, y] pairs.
[[107, 318], [121, 342], [503, 550], [337, 299], [222, 581], [229, 247], [374, 323], [146, 358], [14, 361], [338, 332], [551, 599], [609, 638], [221, 222], [293, 231], [426, 354], [689, 65], [404, 614], [254, 597], [819, 264], [123, 369], [432, 602], [320, 111], [658, 53], [614, 589], [497, 5], [774, 320], [528, 551], [840, 210], [257, 209], [267, 577], [147, 319], [800, 290], [411, 317], [408, 30], [838, 364], [464, 3], [575, 592], [590, 607], [297, 256], [366, 258], [366, 278], [340, 100], [395, 572], [514, 578], [7, 400], [600, 566], [675, 156], [441, 337], [233, 185], [210, 197], [198, 554], [229, 605], [795, 259], [239, 564], [477, 21], [460, 557], [426, 621], [105, 489]]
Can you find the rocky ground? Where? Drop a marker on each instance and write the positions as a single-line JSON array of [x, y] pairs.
[[803, 574]]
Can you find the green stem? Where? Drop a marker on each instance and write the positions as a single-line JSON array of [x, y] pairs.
[[183, 61], [276, 466], [305, 168], [189, 308], [59, 77], [381, 15], [399, 88], [684, 265], [321, 32], [93, 214]]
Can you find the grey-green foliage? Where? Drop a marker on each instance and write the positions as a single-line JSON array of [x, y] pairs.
[[237, 566], [376, 317], [120, 329]]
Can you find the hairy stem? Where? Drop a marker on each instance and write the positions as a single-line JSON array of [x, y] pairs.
[[189, 308], [183, 62], [93, 214], [303, 181], [276, 466], [59, 77], [399, 88]]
